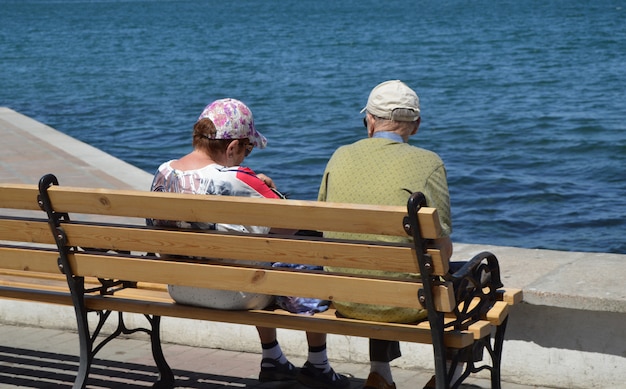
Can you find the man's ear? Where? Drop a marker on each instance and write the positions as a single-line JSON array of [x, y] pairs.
[[417, 126], [370, 124]]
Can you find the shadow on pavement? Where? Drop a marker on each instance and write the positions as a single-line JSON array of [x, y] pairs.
[[38, 369]]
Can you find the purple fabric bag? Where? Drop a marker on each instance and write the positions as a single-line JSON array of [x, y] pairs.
[[301, 305]]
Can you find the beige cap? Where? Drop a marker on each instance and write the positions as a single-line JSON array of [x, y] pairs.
[[389, 96]]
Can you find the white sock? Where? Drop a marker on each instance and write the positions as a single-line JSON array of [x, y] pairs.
[[273, 351], [382, 368], [319, 359]]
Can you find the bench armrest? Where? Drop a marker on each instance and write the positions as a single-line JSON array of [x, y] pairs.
[[475, 283]]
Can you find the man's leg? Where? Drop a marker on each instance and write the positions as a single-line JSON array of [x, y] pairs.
[[274, 364], [381, 353], [317, 372]]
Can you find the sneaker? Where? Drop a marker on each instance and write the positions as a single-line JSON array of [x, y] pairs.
[[272, 370], [376, 381], [313, 377]]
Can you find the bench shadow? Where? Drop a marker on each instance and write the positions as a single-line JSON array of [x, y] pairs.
[[39, 369], [26, 368]]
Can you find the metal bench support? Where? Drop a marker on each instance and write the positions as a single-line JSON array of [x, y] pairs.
[[88, 344], [477, 278]]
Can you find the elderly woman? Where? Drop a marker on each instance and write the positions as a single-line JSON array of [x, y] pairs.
[[223, 136]]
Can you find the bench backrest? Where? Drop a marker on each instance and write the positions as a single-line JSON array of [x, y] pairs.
[[76, 209]]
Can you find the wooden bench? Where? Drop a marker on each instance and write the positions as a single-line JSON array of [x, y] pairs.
[[109, 266]]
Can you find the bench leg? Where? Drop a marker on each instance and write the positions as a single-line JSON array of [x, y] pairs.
[[83, 372], [441, 371], [497, 354], [166, 376], [88, 349], [84, 339], [441, 375]]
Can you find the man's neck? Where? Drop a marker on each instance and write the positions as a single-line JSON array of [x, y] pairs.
[[389, 135]]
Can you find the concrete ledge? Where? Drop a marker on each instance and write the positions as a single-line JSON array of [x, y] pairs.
[[564, 279]]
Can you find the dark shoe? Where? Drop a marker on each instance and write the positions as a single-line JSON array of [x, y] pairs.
[[313, 377], [272, 370], [376, 381], [432, 384]]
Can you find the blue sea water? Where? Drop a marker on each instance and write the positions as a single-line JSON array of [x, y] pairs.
[[525, 100]]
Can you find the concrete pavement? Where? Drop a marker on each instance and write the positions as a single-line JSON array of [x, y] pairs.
[[31, 149], [47, 358]]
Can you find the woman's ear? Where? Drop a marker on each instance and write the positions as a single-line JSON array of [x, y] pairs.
[[231, 153], [232, 148]]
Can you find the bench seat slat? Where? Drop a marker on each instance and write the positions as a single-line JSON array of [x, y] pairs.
[[39, 295], [479, 329], [511, 296], [498, 312], [163, 306], [26, 284], [321, 322], [9, 277], [48, 288]]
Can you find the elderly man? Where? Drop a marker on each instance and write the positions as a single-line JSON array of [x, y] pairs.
[[384, 169]]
